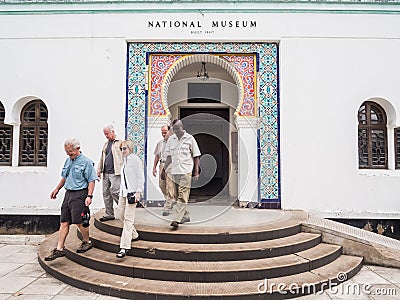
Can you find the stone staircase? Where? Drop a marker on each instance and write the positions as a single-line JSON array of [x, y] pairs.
[[267, 261]]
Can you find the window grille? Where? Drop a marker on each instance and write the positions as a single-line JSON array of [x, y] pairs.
[[372, 136], [397, 146], [33, 134], [6, 139]]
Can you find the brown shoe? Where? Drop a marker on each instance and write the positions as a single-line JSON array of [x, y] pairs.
[[185, 220], [106, 218], [85, 246], [55, 253], [175, 224]]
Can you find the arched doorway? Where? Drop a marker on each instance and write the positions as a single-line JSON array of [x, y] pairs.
[[210, 128], [207, 109], [253, 157]]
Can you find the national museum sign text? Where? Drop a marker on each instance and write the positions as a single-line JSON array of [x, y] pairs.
[[198, 24]]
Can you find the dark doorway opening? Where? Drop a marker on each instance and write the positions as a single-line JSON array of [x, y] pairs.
[[210, 128]]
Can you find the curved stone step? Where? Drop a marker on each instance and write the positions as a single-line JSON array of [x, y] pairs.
[[203, 271], [207, 235], [138, 288], [208, 252]]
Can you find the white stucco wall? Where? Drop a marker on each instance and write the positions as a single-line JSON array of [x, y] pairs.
[[327, 81], [328, 65], [82, 83]]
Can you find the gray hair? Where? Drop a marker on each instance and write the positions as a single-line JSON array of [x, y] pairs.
[[109, 127], [73, 142]]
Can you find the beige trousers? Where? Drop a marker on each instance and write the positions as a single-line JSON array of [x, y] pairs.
[[167, 188], [182, 184], [127, 215], [111, 186]]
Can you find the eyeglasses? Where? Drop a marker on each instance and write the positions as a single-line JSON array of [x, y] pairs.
[[123, 148]]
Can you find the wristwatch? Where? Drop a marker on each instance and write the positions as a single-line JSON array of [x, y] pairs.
[[90, 196]]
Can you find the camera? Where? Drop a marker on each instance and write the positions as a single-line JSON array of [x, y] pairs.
[[131, 198], [86, 217]]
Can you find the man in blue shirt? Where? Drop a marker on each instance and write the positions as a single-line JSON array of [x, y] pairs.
[[78, 177]]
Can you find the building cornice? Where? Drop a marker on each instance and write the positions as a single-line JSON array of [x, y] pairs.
[[159, 2], [26, 7]]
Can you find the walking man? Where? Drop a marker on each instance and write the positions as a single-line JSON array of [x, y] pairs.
[[166, 185], [183, 153], [78, 176], [110, 167]]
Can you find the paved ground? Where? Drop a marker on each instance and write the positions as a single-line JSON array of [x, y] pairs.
[[21, 277]]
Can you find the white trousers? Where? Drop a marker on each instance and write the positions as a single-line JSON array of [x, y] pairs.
[[127, 216]]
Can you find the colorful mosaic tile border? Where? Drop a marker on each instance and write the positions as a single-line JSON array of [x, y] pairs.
[[159, 66], [244, 65], [268, 106]]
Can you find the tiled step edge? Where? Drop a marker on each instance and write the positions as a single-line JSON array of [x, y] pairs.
[[187, 234], [208, 252], [202, 271], [145, 289]]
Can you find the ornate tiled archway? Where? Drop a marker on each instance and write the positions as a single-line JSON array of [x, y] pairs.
[[141, 104], [241, 67]]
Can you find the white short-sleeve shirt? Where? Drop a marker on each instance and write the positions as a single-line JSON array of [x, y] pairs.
[[160, 150], [182, 152]]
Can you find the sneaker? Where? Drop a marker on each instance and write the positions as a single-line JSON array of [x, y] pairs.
[[175, 224], [165, 213], [121, 253], [55, 253], [106, 218], [185, 220], [85, 246]]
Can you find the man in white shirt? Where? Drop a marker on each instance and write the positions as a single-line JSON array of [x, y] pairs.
[[182, 153], [166, 185]]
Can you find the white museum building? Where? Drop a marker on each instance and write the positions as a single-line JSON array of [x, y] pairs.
[[295, 105]]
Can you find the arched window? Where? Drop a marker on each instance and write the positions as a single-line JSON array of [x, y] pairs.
[[6, 137], [33, 134], [372, 136]]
